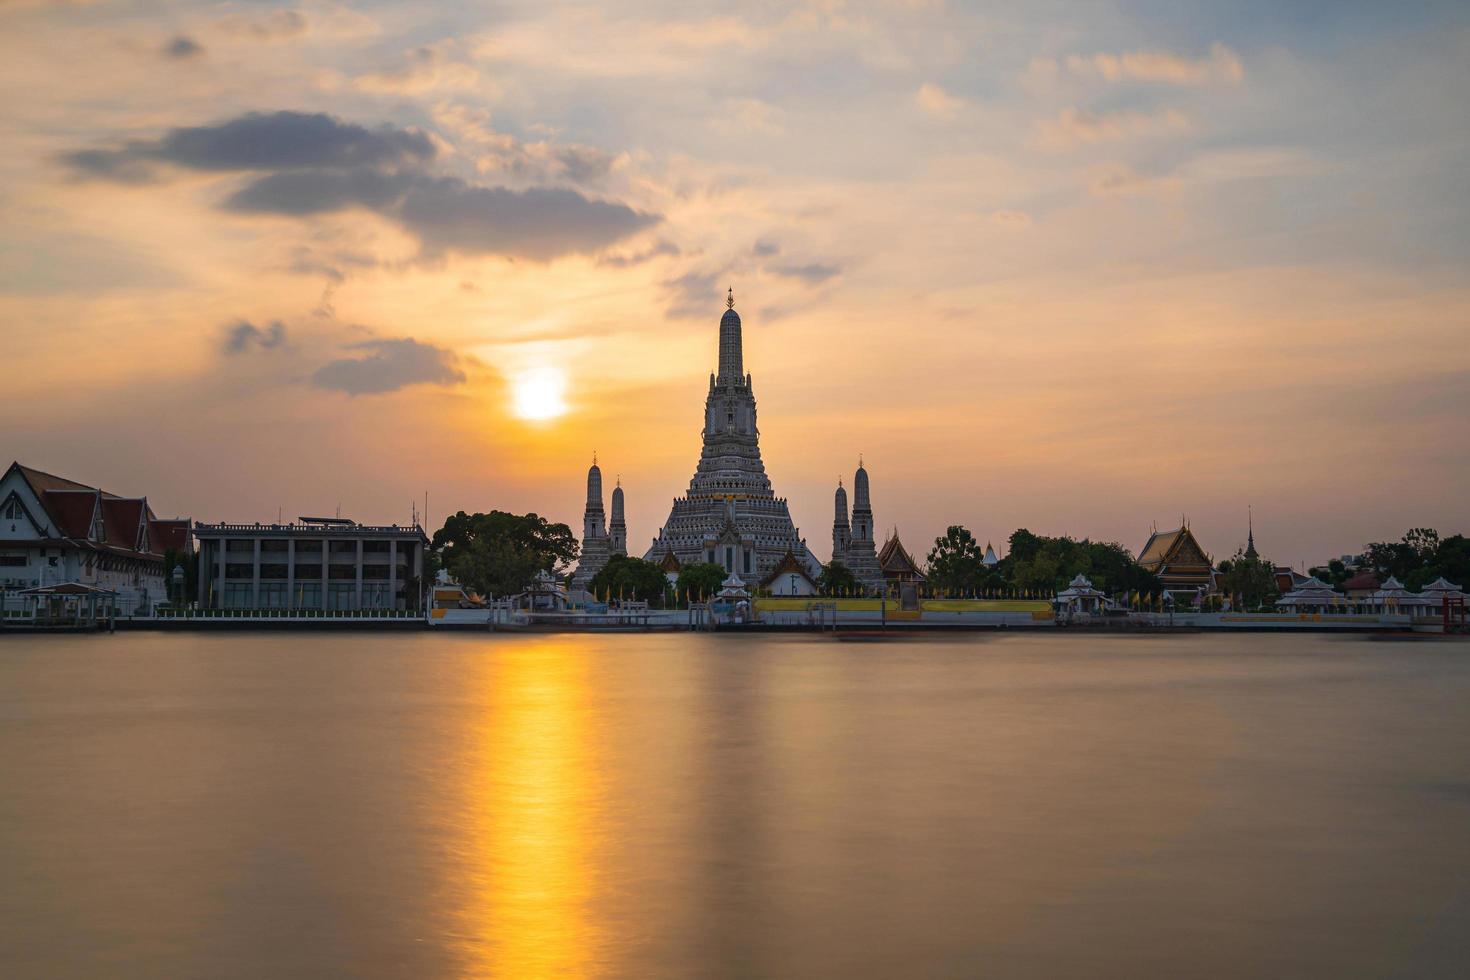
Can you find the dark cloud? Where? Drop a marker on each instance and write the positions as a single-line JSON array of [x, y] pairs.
[[182, 47], [320, 191], [244, 336], [584, 164], [388, 365], [765, 248], [262, 141], [449, 214], [813, 273], [638, 258], [309, 163]]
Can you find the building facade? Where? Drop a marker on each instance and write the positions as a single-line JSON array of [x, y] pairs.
[[55, 531], [853, 539], [730, 515], [320, 563]]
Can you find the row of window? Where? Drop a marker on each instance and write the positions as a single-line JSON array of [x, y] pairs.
[[313, 572], [305, 595]]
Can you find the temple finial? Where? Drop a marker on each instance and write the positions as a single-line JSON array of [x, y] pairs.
[[730, 299], [594, 457]]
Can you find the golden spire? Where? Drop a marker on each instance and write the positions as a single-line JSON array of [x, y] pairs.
[[730, 299]]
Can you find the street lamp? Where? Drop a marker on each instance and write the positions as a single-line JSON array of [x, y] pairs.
[[176, 580]]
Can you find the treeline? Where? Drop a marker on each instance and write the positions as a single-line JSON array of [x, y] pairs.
[[1417, 559]]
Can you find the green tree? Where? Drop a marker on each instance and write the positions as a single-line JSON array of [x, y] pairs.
[[498, 553], [837, 579], [700, 580], [1252, 579], [1036, 563], [956, 561], [629, 578]]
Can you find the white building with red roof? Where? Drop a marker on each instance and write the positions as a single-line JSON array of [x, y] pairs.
[[55, 531]]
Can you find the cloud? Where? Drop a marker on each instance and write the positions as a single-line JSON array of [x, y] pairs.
[[311, 163], [1073, 127], [812, 273], [182, 48], [278, 25], [765, 248], [449, 214], [938, 103], [429, 66], [496, 152], [694, 294], [1011, 218], [259, 141], [1221, 65], [243, 336], [388, 365], [660, 248]]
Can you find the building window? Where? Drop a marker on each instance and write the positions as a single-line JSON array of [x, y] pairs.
[[729, 559], [342, 596], [308, 595], [747, 563], [12, 510], [238, 595], [273, 596]]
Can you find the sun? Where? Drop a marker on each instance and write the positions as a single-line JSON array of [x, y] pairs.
[[539, 394]]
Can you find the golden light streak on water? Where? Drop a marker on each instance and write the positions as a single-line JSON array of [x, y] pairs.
[[532, 792]]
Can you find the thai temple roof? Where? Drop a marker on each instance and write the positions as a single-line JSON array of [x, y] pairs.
[[788, 565], [894, 558]]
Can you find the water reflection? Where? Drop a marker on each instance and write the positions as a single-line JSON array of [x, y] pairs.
[[533, 791]]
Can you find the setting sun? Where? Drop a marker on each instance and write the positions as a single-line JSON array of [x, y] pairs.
[[538, 394]]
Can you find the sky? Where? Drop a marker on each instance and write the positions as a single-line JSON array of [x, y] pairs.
[[1080, 268]]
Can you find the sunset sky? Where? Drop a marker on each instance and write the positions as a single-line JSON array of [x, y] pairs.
[[1074, 267]]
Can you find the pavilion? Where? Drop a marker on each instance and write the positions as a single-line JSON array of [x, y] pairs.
[[1311, 596]]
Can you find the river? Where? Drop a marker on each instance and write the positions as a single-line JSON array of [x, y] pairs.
[[1007, 805]]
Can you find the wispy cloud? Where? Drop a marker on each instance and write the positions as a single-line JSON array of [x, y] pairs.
[[1220, 66], [182, 47], [936, 102], [1073, 127]]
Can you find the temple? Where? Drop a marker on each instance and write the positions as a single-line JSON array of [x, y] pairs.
[[600, 541], [899, 567], [1178, 560], [730, 516], [852, 544]]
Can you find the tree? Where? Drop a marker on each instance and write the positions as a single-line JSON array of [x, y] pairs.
[[700, 580], [629, 578], [1252, 579], [837, 579], [956, 562], [497, 554], [1038, 563]]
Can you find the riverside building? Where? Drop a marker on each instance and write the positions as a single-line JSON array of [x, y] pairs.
[[55, 531], [319, 563]]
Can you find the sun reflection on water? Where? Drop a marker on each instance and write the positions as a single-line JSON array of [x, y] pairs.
[[533, 791]]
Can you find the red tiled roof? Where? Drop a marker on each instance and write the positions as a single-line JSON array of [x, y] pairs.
[[169, 534], [41, 482], [121, 517], [1365, 579], [72, 510]]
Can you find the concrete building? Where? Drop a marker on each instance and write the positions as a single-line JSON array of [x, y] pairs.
[[323, 563], [55, 531]]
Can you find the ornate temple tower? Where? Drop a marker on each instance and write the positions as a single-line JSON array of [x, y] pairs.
[[862, 553], [730, 516], [617, 528], [594, 531], [841, 532]]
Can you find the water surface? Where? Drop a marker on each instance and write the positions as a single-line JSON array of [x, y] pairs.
[[293, 805]]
